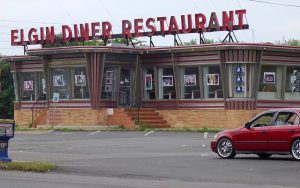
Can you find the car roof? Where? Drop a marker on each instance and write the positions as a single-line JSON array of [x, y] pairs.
[[297, 110]]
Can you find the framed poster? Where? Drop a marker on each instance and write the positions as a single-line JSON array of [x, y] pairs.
[[109, 73], [239, 70], [212, 79], [296, 72], [44, 86], [148, 82], [167, 81], [190, 80], [295, 89], [108, 81], [239, 89], [28, 85], [58, 80], [239, 79], [108, 88], [269, 78], [80, 80]]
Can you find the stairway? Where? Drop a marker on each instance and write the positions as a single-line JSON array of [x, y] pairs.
[[148, 118]]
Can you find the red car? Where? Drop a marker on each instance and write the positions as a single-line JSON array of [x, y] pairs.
[[271, 132]]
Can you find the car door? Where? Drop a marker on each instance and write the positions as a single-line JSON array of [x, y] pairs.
[[281, 133], [254, 136]]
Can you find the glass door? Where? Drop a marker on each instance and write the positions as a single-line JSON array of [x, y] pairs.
[[124, 88]]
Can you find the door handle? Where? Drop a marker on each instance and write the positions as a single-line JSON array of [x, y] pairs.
[[263, 132], [291, 131]]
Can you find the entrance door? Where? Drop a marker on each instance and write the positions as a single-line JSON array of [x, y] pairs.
[[124, 88]]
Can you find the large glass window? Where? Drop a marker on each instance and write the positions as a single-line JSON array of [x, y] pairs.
[[212, 85], [60, 83], [270, 82], [28, 87], [149, 84], [108, 84], [166, 83], [292, 89], [240, 77], [80, 84], [189, 80]]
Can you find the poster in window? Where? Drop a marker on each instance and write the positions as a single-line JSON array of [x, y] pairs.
[[80, 80], [212, 79], [109, 73], [167, 81], [295, 80], [28, 85], [296, 73], [108, 81], [269, 78], [239, 89], [190, 80], [58, 80], [239, 79], [107, 88], [44, 86], [148, 82], [295, 89], [239, 70]]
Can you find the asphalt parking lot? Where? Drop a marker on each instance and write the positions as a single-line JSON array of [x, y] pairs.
[[141, 159]]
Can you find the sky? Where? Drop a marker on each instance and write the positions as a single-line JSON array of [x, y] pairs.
[[267, 22]]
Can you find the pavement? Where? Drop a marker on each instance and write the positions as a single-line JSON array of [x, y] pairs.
[[141, 159]]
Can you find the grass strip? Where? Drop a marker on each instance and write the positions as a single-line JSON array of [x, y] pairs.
[[28, 166]]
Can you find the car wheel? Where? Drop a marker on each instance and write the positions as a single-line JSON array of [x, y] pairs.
[[225, 148], [264, 155], [295, 149]]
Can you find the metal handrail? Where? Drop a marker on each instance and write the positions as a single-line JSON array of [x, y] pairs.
[[42, 97]]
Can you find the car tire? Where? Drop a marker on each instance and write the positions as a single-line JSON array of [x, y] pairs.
[[264, 155], [295, 149], [225, 148]]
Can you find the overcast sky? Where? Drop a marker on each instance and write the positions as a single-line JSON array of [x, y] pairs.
[[268, 22]]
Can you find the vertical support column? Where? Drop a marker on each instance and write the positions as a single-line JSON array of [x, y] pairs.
[[95, 68], [47, 79], [138, 82]]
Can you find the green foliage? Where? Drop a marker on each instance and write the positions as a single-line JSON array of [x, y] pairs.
[[7, 95], [195, 42], [290, 42], [58, 42]]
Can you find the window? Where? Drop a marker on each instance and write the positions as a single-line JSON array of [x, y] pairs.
[[270, 82], [149, 84], [60, 83], [189, 80], [287, 118], [80, 84], [263, 120], [240, 78], [108, 84], [28, 86], [292, 89], [212, 85], [166, 83]]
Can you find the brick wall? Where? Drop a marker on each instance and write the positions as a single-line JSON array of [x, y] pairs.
[[207, 118], [176, 118], [75, 117]]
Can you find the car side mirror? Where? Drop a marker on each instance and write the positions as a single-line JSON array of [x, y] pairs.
[[247, 125]]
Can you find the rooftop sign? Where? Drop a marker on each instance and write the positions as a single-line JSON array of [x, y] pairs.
[[138, 28]]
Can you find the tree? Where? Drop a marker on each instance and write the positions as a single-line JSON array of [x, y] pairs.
[[58, 42], [290, 42], [7, 95]]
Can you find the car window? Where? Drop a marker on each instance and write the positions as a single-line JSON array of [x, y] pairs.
[[287, 118], [263, 120]]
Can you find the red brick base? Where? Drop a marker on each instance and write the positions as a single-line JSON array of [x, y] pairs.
[[176, 118]]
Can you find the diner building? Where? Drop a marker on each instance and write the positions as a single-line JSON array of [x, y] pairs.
[[203, 86]]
